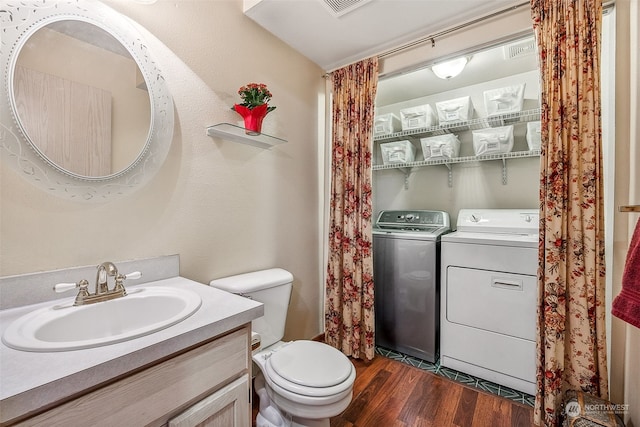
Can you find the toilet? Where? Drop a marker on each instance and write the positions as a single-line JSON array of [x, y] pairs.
[[299, 383]]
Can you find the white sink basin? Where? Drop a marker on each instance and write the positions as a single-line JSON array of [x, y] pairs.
[[62, 326]]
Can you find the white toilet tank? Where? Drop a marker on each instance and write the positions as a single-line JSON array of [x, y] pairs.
[[271, 287]]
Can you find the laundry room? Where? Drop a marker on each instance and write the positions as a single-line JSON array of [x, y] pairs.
[[457, 136], [459, 144]]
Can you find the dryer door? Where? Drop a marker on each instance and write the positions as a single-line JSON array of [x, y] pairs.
[[493, 301]]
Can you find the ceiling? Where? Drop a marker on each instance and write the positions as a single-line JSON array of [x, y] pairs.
[[335, 33]]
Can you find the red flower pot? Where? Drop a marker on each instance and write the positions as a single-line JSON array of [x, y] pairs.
[[252, 117]]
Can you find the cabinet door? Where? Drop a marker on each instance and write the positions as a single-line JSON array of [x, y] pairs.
[[225, 408]]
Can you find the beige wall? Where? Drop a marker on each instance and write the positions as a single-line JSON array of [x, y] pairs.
[[224, 207]]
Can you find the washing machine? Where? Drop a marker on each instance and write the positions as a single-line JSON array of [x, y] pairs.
[[406, 261], [489, 293]]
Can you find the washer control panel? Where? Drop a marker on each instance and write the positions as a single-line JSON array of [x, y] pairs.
[[432, 222], [413, 217], [511, 221]]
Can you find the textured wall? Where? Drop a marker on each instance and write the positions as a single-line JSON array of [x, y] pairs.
[[224, 207]]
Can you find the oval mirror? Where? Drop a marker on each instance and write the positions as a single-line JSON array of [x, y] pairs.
[[81, 99], [88, 114]]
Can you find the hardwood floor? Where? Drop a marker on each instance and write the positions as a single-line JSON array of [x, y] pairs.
[[391, 393], [388, 393]]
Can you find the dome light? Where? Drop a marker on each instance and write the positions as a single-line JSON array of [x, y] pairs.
[[449, 69]]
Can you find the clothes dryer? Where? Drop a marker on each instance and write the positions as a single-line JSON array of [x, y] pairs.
[[489, 293]]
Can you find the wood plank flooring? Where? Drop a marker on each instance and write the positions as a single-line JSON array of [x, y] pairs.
[[388, 393]]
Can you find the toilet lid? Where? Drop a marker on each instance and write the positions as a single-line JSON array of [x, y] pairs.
[[311, 364]]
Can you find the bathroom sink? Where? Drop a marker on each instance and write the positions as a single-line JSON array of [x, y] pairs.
[[62, 326]]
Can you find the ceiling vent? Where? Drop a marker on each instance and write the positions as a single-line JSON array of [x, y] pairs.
[[342, 7], [520, 49]]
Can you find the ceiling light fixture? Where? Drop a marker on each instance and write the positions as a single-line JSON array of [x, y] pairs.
[[448, 69]]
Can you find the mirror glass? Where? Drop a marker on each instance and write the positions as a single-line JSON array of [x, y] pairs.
[[81, 99]]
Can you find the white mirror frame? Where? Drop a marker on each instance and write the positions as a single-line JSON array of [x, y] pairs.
[[17, 23]]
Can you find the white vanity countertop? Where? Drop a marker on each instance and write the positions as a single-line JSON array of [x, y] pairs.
[[31, 380]]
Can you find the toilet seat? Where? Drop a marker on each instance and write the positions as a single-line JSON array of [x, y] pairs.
[[310, 368]]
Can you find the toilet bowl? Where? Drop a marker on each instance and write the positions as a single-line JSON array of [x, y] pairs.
[[308, 380], [300, 383]]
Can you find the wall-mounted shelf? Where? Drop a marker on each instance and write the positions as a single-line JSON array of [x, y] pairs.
[[407, 168], [239, 134], [474, 124]]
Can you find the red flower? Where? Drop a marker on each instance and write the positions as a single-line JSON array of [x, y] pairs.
[[254, 95]]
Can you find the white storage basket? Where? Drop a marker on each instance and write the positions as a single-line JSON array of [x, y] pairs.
[[441, 146], [386, 124], [455, 110], [504, 100], [398, 152], [493, 141], [418, 117], [533, 135]]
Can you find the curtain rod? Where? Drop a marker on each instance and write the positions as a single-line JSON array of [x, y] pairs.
[[432, 38], [605, 7]]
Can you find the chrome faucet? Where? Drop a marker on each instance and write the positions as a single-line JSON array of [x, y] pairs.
[[105, 270], [102, 292]]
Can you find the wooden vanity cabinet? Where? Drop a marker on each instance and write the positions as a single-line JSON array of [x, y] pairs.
[[206, 386]]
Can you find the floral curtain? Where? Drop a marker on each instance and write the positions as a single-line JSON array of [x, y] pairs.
[[349, 317], [571, 347]]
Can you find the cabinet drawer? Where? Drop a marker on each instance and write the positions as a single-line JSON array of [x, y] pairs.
[[159, 392]]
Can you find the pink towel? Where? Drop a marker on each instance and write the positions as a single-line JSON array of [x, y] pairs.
[[626, 305]]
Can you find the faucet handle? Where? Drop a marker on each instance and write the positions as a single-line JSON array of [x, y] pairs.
[[64, 287], [82, 285], [133, 276], [120, 278]]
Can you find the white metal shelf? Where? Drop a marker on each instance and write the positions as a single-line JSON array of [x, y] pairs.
[[239, 134], [407, 168], [454, 160], [474, 124]]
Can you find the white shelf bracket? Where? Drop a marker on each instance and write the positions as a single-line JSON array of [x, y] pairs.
[[407, 173], [450, 175], [504, 171]]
